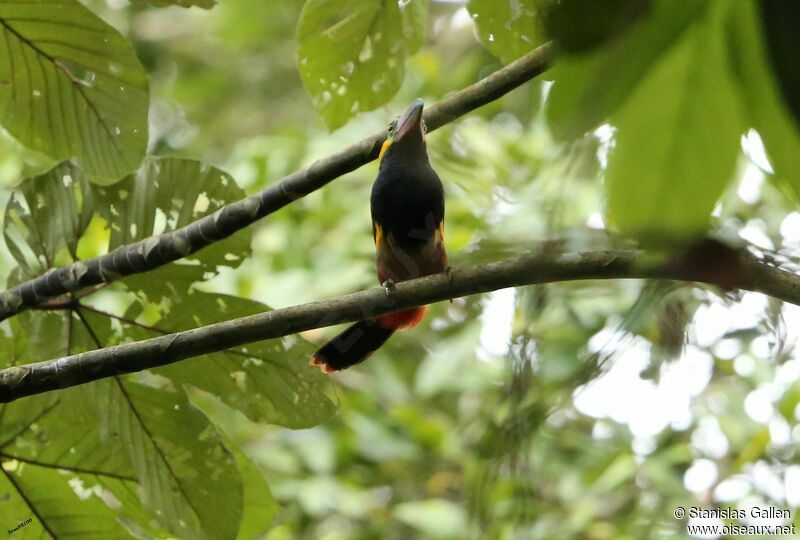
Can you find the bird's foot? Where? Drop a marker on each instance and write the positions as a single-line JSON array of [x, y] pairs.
[[388, 287]]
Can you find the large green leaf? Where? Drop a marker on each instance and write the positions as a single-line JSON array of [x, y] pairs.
[[14, 348], [260, 507], [49, 334], [149, 436], [582, 25], [56, 333], [46, 217], [590, 87], [351, 53], [34, 439], [677, 140], [764, 105], [80, 448], [168, 193], [508, 28], [57, 505], [269, 381], [779, 19], [72, 86], [188, 477], [154, 436]]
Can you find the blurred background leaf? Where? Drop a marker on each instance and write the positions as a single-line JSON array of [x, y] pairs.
[[591, 86], [754, 48], [205, 4], [581, 25], [689, 159]]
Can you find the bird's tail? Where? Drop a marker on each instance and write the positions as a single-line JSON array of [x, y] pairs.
[[352, 346], [360, 340]]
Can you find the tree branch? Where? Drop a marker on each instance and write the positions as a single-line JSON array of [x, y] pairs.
[[156, 251], [743, 272]]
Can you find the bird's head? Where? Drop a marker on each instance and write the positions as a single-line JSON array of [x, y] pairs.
[[406, 134]]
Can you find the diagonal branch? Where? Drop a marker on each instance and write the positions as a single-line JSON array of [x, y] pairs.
[[743, 272], [156, 251]]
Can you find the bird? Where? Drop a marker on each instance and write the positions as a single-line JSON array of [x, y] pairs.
[[407, 207]]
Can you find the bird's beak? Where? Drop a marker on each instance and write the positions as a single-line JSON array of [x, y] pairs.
[[409, 123]]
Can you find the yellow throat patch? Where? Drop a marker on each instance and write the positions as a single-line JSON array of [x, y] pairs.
[[386, 144]]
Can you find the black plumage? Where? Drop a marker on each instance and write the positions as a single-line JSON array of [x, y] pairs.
[[407, 199], [407, 205]]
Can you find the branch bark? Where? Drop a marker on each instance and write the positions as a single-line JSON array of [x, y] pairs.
[[156, 251], [750, 274]]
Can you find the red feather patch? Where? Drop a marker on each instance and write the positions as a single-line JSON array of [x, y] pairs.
[[403, 319]]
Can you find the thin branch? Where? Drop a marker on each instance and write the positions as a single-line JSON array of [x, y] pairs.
[[156, 251], [742, 272]]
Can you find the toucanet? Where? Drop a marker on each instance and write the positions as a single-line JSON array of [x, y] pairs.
[[407, 205]]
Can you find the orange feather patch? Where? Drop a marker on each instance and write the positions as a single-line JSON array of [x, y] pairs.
[[403, 319]]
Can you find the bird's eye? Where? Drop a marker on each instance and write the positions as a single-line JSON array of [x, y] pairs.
[[392, 126]]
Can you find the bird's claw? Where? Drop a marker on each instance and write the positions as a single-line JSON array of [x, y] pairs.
[[388, 287]]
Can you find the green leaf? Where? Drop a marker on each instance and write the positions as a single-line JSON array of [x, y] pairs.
[[508, 28], [58, 505], [17, 419], [187, 475], [72, 86], [590, 87], [56, 333], [167, 193], [155, 436], [582, 25], [260, 507], [46, 216], [269, 381], [779, 18], [763, 102], [79, 448], [677, 140], [13, 346], [166, 282], [351, 53], [33, 435]]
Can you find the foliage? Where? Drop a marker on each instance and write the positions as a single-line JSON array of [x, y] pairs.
[[165, 440], [206, 4], [81, 94], [351, 54], [695, 145], [568, 410], [508, 28]]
